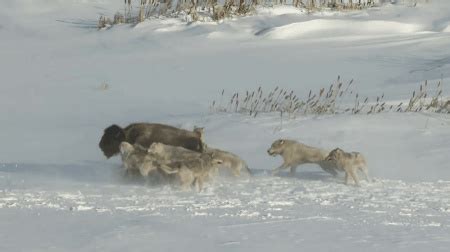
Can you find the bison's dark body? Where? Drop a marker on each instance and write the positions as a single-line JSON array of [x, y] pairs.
[[145, 134]]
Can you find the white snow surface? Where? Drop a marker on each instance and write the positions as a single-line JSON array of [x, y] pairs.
[[59, 193]]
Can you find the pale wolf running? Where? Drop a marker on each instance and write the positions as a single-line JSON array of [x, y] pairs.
[[230, 161], [194, 170], [295, 154], [350, 163]]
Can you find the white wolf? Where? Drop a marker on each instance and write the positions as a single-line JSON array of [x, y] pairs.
[[295, 154]]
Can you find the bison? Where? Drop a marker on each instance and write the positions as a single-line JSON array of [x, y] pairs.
[[144, 134]]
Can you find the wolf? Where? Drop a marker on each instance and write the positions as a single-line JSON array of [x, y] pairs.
[[295, 154], [136, 159], [230, 161], [169, 153], [350, 162], [194, 170]]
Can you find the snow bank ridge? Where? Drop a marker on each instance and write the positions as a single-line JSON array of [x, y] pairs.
[[335, 27]]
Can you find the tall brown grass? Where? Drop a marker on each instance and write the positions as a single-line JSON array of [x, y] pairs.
[[338, 98], [136, 11]]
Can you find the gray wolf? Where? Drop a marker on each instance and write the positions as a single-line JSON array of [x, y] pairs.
[[350, 162]]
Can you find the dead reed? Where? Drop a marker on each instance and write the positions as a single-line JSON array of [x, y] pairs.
[[338, 98], [136, 11]]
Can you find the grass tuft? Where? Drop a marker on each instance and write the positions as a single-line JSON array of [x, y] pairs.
[[136, 11], [338, 98]]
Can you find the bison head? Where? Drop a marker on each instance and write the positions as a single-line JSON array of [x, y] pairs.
[[111, 139]]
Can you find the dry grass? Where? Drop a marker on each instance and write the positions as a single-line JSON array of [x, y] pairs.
[[136, 11], [338, 98], [422, 100]]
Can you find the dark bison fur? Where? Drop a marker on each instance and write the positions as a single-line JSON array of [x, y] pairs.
[[145, 134]]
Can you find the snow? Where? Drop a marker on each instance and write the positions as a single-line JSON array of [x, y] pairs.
[[63, 82], [335, 28]]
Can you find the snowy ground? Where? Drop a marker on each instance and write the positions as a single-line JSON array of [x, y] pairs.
[[58, 193]]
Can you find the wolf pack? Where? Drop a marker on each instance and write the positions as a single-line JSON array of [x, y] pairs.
[[165, 154]]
